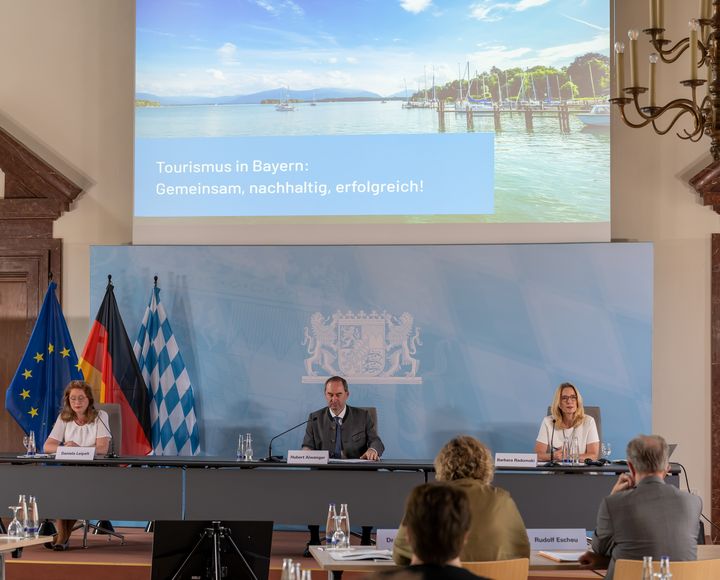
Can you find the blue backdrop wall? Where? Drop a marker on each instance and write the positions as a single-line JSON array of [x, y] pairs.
[[441, 339]]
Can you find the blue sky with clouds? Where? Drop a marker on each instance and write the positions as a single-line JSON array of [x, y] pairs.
[[228, 47]]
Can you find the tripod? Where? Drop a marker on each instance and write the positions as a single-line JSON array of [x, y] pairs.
[[217, 534]]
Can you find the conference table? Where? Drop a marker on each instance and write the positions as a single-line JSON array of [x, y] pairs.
[[538, 563], [216, 488]]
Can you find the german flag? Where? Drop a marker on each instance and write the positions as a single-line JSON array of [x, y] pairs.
[[111, 369]]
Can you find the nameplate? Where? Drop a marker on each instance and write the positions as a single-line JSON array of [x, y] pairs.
[[308, 457], [516, 460], [384, 539], [75, 453], [557, 539]]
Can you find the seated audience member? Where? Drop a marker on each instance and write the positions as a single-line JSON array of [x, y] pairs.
[[358, 433], [570, 421], [497, 531], [80, 424], [643, 516], [437, 520]]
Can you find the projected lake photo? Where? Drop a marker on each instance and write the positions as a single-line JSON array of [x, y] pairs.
[[418, 110]]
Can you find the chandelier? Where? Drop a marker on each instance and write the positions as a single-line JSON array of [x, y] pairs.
[[638, 104]]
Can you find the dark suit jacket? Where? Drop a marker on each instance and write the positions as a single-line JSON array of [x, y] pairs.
[[653, 519], [358, 432]]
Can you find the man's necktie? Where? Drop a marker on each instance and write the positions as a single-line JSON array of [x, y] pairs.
[[337, 454]]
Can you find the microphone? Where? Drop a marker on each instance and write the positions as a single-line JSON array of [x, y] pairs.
[[279, 457], [110, 454], [552, 462]]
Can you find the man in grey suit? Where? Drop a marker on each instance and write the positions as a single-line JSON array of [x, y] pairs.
[[358, 433], [643, 516]]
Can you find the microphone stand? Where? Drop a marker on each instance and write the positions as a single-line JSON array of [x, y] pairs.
[[277, 458], [552, 462]]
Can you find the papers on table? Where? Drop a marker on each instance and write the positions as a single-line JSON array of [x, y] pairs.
[[360, 554], [561, 556]]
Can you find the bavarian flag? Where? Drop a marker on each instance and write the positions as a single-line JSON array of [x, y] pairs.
[[34, 396], [110, 367]]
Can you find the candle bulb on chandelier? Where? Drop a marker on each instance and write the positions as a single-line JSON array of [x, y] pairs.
[[619, 68], [653, 61], [653, 13], [693, 25], [661, 13], [633, 36]]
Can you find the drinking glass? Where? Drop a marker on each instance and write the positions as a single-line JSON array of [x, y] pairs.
[[15, 529], [26, 444], [605, 450], [338, 538], [248, 447]]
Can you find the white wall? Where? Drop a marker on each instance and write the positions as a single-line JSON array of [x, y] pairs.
[[652, 202], [67, 89]]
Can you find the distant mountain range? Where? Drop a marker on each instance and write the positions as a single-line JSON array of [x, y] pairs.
[[256, 98]]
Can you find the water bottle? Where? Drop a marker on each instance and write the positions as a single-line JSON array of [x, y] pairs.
[[31, 445], [297, 572], [248, 447], [26, 516], [286, 569], [330, 525], [345, 524], [665, 573], [240, 456], [566, 457], [35, 518], [575, 450], [647, 569], [306, 575]]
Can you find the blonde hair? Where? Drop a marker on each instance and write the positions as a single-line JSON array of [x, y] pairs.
[[555, 407], [464, 457], [67, 414]]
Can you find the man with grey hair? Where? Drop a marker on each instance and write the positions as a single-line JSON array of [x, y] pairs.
[[643, 516]]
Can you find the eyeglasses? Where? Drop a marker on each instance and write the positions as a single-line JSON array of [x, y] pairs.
[[77, 399], [566, 398]]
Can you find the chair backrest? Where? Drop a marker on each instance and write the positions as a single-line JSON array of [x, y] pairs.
[[373, 414], [698, 570], [594, 412], [114, 423], [516, 569]]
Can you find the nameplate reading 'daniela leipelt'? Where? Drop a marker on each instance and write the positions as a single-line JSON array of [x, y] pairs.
[[75, 453], [515, 459], [308, 457]]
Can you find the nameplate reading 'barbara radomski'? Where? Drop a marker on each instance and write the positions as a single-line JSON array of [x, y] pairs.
[[516, 460]]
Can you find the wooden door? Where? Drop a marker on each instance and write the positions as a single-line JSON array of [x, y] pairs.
[[23, 281]]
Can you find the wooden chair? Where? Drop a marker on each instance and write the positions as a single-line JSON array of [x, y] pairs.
[[697, 570], [516, 569]]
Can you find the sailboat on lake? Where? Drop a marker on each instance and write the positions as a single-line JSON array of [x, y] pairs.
[[285, 106]]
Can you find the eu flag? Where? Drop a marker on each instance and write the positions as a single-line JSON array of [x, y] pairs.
[[35, 394]]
